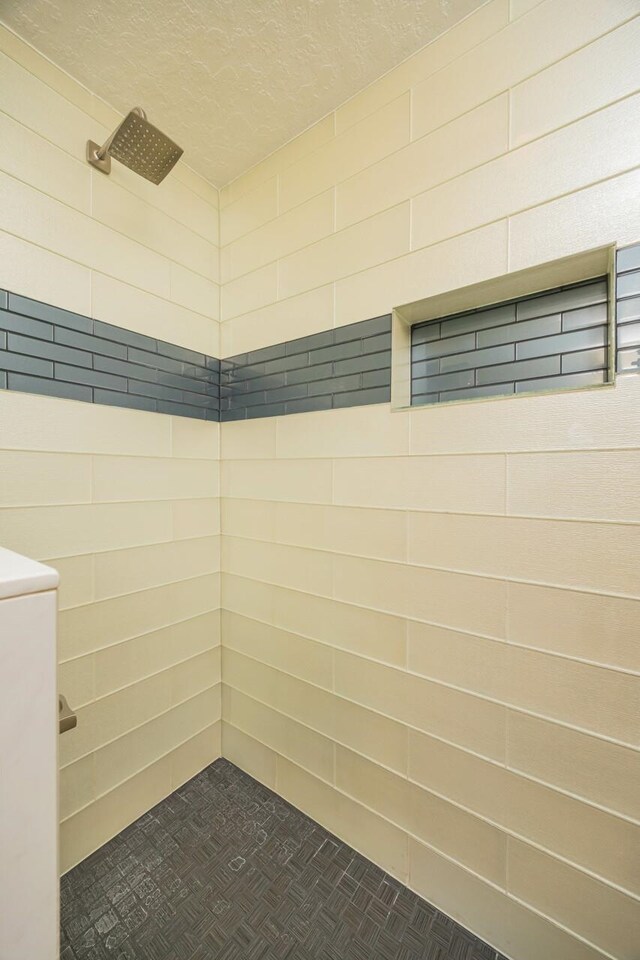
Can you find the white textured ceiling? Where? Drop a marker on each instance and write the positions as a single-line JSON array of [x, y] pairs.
[[230, 80]]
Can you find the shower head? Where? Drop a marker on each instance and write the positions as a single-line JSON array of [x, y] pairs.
[[139, 145]]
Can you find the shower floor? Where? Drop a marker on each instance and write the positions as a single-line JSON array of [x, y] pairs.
[[225, 869]]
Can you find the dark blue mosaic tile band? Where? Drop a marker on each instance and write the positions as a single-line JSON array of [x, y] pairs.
[[47, 350], [345, 367]]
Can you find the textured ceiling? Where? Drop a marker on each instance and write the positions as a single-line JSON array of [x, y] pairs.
[[230, 80]]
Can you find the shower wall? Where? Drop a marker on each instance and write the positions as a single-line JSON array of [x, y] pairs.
[[430, 616], [123, 503]]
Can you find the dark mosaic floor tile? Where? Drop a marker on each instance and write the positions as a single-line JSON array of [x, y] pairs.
[[225, 869]]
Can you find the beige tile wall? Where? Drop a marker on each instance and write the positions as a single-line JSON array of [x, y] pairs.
[[124, 504], [488, 150], [441, 664], [430, 618]]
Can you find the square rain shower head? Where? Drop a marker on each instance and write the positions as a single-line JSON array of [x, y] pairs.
[[138, 145]]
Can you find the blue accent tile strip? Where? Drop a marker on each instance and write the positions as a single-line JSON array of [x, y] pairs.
[[50, 351], [550, 341], [345, 367], [628, 310], [54, 352]]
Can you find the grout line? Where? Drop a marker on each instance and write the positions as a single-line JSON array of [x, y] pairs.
[[471, 452], [92, 480], [149, 501]]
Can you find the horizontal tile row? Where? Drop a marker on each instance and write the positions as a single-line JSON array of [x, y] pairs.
[[344, 367], [550, 341], [50, 351]]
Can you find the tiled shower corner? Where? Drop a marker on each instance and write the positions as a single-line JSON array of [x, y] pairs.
[[226, 869], [344, 367]]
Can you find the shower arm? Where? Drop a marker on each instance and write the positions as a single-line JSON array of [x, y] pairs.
[[99, 157]]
